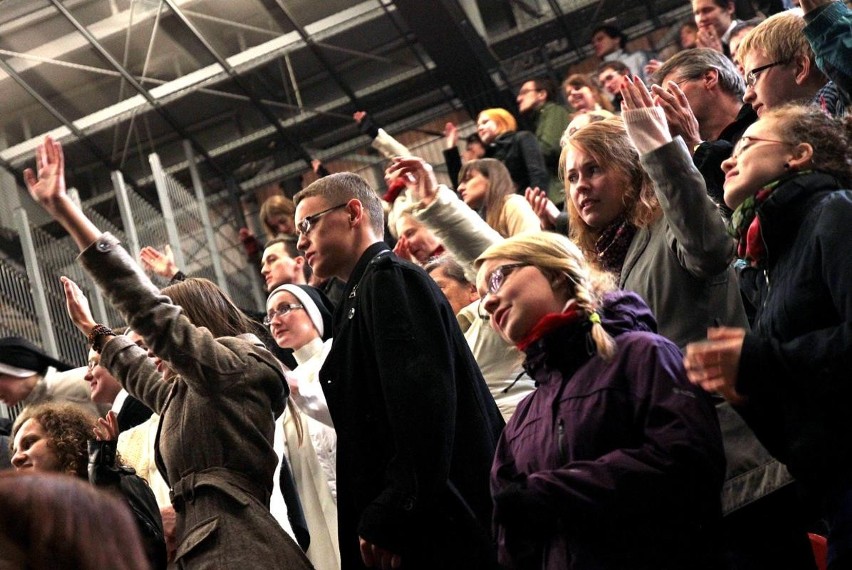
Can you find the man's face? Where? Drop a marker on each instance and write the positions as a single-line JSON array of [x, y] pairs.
[[328, 245], [709, 15], [603, 45], [529, 98], [611, 80], [14, 390], [278, 268], [459, 295], [768, 87]]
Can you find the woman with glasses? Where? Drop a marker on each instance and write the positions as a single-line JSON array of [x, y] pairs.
[[614, 461], [788, 181], [300, 318], [216, 388]]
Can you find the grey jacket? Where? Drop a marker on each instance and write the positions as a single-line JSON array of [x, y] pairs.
[[214, 446]]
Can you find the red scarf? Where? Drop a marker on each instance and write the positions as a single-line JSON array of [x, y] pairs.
[[547, 323]]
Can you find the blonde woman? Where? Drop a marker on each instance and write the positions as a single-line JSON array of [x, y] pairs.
[[518, 150], [615, 460]]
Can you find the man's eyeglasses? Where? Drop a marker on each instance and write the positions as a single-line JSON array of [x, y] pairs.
[[747, 142], [495, 282], [91, 365], [280, 312], [753, 75], [308, 222]]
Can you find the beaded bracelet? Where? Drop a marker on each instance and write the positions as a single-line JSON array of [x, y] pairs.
[[96, 336]]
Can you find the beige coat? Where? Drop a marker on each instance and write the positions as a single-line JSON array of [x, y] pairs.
[[217, 417]]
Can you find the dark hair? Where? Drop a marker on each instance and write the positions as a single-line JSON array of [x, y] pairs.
[[500, 187], [613, 32], [69, 430], [61, 522], [341, 187], [544, 84], [291, 250], [614, 65], [473, 138], [206, 305]]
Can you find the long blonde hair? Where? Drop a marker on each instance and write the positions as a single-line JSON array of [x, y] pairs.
[[556, 256], [607, 142]]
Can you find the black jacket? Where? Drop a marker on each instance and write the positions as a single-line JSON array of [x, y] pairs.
[[795, 365], [520, 152], [416, 425], [132, 413]]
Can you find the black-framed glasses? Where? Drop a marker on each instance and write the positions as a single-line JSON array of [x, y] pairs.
[[753, 75], [495, 282], [308, 222], [281, 311], [746, 142]]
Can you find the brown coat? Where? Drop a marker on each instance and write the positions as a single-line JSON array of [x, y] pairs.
[[215, 441]]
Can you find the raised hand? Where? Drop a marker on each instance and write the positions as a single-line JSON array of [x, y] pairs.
[[403, 251], [418, 176], [48, 186], [451, 134], [77, 306], [707, 38], [678, 112], [546, 210], [107, 428], [635, 95], [157, 262]]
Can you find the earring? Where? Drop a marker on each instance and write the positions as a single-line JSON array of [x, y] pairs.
[[786, 166]]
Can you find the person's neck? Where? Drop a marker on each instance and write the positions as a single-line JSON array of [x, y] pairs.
[[725, 113], [307, 351]]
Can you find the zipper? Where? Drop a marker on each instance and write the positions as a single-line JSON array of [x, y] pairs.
[[560, 440]]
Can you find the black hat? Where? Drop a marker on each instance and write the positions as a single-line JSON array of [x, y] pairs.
[[19, 357], [319, 308]]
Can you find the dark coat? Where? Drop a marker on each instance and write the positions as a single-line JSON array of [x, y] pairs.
[[609, 464], [415, 422], [132, 413], [795, 365], [214, 444], [520, 153]]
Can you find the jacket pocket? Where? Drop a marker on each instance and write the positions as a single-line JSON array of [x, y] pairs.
[[199, 538]]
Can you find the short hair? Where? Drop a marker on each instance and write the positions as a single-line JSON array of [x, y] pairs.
[[746, 25], [688, 24], [451, 267], [473, 138], [289, 245], [61, 522], [339, 188], [545, 84], [694, 63], [68, 428], [276, 205], [781, 37], [607, 142], [556, 256], [504, 120], [830, 137], [613, 32], [615, 65], [721, 3]]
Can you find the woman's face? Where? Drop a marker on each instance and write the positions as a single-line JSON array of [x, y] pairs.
[[282, 224], [33, 449], [293, 329], [758, 159], [473, 188], [523, 298], [486, 128], [581, 98], [596, 191]]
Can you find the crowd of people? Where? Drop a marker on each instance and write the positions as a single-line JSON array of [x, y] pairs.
[[620, 340]]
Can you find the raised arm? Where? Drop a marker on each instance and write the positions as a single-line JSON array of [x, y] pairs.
[[695, 229]]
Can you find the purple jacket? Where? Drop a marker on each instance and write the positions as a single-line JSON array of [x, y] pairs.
[[609, 464]]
